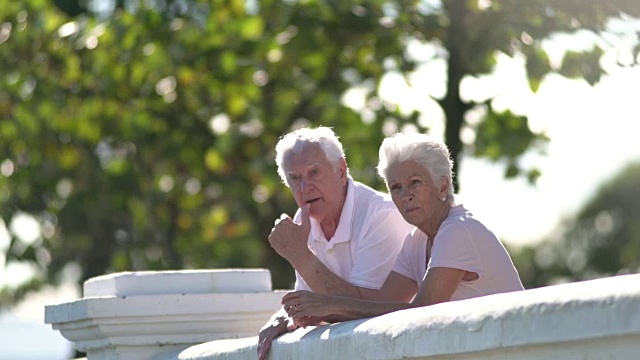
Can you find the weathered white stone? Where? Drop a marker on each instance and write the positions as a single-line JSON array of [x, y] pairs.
[[598, 319], [139, 315], [179, 282]]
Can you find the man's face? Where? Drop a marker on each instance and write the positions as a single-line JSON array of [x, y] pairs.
[[314, 181]]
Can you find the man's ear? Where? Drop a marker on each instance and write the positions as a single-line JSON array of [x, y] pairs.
[[342, 168]]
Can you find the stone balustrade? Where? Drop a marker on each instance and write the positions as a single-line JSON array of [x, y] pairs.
[[138, 315], [597, 319]]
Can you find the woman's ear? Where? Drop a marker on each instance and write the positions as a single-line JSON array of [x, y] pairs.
[[444, 186]]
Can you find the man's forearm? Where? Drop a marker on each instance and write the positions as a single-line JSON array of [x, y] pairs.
[[322, 280]]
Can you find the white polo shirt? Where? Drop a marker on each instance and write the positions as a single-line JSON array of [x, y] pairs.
[[367, 241]]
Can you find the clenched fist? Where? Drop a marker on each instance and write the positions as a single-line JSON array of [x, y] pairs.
[[289, 239]]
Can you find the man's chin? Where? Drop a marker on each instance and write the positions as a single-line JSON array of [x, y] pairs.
[[315, 212]]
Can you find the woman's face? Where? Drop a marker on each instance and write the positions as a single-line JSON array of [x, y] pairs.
[[414, 192]]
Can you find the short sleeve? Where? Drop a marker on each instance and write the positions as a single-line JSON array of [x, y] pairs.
[[377, 251], [404, 263], [454, 247], [300, 283]]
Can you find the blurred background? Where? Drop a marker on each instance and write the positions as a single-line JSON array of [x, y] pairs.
[[140, 134]]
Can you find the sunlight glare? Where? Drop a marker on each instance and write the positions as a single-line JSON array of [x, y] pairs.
[[220, 124], [25, 227]]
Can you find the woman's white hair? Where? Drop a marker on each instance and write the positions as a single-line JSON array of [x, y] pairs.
[[298, 140], [433, 155]]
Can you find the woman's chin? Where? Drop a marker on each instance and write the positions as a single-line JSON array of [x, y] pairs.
[[412, 217]]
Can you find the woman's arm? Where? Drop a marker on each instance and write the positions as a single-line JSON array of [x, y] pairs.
[[438, 286], [300, 304], [396, 288]]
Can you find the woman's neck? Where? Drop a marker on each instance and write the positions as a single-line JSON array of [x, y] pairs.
[[432, 227]]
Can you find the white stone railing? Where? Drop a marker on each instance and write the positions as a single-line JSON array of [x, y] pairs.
[[598, 319], [138, 315]]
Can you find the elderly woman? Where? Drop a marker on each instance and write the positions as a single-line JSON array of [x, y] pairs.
[[449, 255]]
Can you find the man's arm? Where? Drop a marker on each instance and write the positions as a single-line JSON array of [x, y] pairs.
[[383, 242], [290, 241], [323, 281]]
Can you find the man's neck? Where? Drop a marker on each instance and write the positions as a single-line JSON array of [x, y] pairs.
[[330, 225]]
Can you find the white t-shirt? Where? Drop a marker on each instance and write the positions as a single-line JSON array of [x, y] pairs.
[[462, 242], [367, 241]]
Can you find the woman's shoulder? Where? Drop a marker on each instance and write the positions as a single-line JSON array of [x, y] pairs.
[[462, 226]]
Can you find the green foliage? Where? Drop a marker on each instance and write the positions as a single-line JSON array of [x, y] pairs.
[[584, 65], [147, 142], [605, 237], [506, 136], [537, 65], [144, 138]]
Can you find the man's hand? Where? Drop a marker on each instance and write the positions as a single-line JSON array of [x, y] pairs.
[[289, 239], [272, 330]]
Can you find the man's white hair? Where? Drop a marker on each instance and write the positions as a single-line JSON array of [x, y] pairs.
[[295, 142]]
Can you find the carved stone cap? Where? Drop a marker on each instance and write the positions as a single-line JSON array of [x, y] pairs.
[[179, 282]]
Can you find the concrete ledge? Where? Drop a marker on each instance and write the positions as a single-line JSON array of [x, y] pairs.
[[139, 315], [587, 320], [179, 282]]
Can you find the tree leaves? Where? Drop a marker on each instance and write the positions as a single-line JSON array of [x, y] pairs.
[[537, 64], [506, 136], [584, 65], [145, 136]]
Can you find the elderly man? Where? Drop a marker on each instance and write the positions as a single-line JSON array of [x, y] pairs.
[[345, 237]]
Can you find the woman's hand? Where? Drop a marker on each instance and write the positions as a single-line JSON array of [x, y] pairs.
[[303, 322], [304, 304]]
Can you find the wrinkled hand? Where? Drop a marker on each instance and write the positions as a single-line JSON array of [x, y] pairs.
[[303, 322], [289, 239], [302, 304], [271, 331]]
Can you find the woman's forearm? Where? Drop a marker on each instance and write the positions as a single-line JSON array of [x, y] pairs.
[[345, 309], [302, 304]]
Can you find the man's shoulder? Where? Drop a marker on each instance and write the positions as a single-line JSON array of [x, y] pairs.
[[366, 195], [371, 206]]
